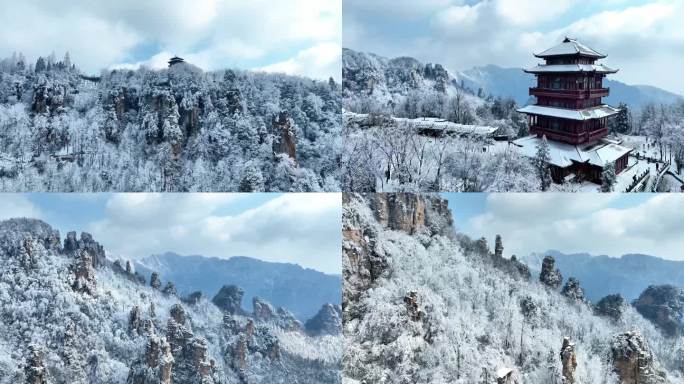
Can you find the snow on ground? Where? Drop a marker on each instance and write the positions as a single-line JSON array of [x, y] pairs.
[[634, 168]]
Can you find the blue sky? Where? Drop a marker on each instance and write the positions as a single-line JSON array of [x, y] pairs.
[[292, 36], [641, 38], [296, 228], [610, 224]]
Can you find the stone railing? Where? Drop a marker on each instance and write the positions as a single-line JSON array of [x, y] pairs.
[[637, 181]]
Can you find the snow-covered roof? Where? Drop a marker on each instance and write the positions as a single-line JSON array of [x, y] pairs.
[[447, 126], [572, 114], [558, 68], [570, 47], [563, 155]]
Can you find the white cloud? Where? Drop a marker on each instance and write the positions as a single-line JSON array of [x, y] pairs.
[[216, 33], [644, 41], [578, 223], [531, 11], [319, 61], [17, 205], [297, 228]]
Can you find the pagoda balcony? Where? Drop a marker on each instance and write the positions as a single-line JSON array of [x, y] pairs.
[[570, 93], [569, 137]]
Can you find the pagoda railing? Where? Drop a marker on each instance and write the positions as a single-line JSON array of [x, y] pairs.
[[569, 137], [569, 93]]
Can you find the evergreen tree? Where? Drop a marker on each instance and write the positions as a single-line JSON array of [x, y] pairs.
[[622, 123], [40, 65], [541, 164]]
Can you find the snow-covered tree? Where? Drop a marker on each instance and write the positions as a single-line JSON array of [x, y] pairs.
[[542, 164], [608, 178]]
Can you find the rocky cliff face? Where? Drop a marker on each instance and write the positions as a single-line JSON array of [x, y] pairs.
[[363, 261], [284, 131], [421, 308], [229, 299], [265, 312], [412, 213], [573, 291], [611, 306], [633, 360], [328, 321], [568, 361], [549, 276], [65, 321], [664, 306]]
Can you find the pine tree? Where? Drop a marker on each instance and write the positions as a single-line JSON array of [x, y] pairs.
[[541, 164], [608, 178], [40, 65], [622, 123]]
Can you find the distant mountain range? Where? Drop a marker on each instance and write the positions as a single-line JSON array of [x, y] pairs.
[[369, 76], [514, 82], [302, 291], [628, 275]]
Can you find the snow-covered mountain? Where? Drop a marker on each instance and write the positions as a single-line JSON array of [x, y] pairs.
[[423, 304], [300, 290], [515, 83], [174, 130], [628, 275], [373, 83], [369, 78], [68, 314]]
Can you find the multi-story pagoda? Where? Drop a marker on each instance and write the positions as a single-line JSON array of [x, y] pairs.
[[175, 60], [569, 111]]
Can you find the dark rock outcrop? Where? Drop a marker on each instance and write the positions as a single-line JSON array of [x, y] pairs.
[[156, 366], [664, 306], [364, 262], [229, 299], [632, 360], [85, 244], [412, 306], [498, 247], [135, 321], [328, 321], [154, 280], [178, 313], [193, 298], [35, 369], [612, 306], [549, 276], [284, 140], [568, 360], [412, 213], [170, 289], [83, 272], [265, 312], [572, 290]]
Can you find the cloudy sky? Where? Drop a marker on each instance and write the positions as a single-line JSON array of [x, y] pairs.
[[644, 39], [294, 228], [292, 36], [600, 224]]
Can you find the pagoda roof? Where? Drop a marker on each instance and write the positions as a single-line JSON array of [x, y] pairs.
[[597, 153], [570, 47], [175, 60], [560, 68], [597, 112]]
